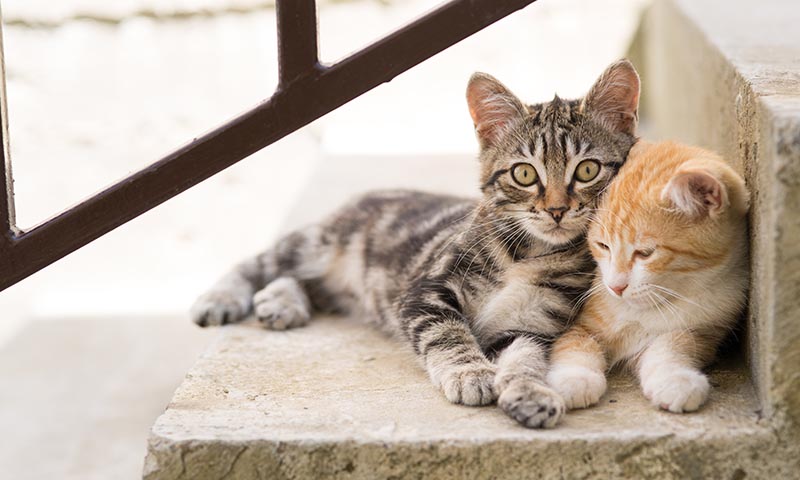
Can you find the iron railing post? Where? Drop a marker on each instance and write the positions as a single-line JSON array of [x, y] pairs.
[[297, 39], [7, 220]]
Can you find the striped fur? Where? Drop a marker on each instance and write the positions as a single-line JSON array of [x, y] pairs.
[[479, 288], [671, 245]]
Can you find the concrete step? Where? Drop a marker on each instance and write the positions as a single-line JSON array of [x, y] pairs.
[[77, 396], [339, 400]]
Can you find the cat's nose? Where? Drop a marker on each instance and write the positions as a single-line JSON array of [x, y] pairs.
[[618, 289], [557, 212]]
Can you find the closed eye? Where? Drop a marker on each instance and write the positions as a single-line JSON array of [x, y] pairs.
[[602, 246], [643, 253]]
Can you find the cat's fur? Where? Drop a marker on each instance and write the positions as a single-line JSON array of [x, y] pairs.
[[479, 289], [671, 245]]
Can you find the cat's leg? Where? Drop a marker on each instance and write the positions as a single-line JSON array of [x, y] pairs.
[[577, 368], [270, 282], [520, 384], [669, 370], [451, 355]]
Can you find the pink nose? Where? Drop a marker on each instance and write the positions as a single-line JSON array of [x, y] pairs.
[[618, 289]]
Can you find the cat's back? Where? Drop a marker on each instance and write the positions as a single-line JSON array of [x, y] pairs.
[[399, 214], [392, 230]]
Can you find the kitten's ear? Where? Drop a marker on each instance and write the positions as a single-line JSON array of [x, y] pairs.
[[613, 100], [697, 193], [493, 108]]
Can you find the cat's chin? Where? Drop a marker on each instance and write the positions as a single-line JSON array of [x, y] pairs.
[[558, 235]]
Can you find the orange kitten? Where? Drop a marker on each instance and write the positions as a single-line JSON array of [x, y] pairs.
[[671, 246]]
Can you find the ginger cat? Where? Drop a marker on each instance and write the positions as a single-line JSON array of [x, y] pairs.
[[671, 246]]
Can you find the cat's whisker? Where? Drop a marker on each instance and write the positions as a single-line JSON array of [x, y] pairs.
[[504, 228], [677, 295], [579, 302]]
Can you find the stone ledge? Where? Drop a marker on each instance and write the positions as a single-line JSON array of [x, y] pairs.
[[340, 399]]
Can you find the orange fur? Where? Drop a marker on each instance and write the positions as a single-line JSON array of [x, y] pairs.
[[670, 242]]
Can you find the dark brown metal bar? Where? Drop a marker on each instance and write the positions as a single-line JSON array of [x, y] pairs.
[[7, 228], [294, 105], [297, 38]]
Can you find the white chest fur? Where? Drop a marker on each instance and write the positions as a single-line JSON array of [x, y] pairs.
[[518, 305]]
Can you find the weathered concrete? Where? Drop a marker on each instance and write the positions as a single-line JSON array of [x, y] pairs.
[[726, 75], [337, 399]]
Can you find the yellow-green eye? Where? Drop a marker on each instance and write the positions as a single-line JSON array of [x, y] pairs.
[[587, 170], [524, 174]]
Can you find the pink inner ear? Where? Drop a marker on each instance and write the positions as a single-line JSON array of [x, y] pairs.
[[698, 193], [492, 108], [709, 192]]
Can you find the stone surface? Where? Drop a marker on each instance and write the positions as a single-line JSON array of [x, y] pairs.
[[338, 399], [77, 396], [727, 76]]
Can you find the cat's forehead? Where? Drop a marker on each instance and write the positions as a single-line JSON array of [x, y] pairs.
[[549, 133], [629, 220], [555, 113]]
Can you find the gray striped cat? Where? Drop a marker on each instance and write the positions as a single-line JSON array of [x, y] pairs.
[[479, 288]]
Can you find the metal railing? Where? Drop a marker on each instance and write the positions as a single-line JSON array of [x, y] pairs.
[[306, 91]]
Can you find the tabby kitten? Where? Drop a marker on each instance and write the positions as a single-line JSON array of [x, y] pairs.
[[478, 288], [671, 245]]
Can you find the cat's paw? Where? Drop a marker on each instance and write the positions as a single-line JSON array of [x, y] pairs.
[[282, 304], [218, 307], [580, 387], [470, 385], [531, 404], [679, 390]]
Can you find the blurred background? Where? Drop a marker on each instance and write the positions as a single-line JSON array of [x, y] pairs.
[[92, 347]]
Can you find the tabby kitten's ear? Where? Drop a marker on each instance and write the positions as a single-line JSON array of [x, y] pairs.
[[613, 101], [697, 193], [493, 108]]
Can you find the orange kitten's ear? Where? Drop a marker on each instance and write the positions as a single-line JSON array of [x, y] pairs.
[[613, 101], [493, 108], [697, 193]]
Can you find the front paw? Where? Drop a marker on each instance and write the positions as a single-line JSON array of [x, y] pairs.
[[531, 404], [470, 385], [679, 390], [218, 308], [580, 387], [282, 304]]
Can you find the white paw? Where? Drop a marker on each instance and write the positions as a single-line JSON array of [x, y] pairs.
[[580, 387], [282, 304], [470, 385], [531, 404], [218, 308], [679, 390]]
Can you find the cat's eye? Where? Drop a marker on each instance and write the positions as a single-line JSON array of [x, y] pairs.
[[602, 246], [524, 174], [587, 170], [643, 253]]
